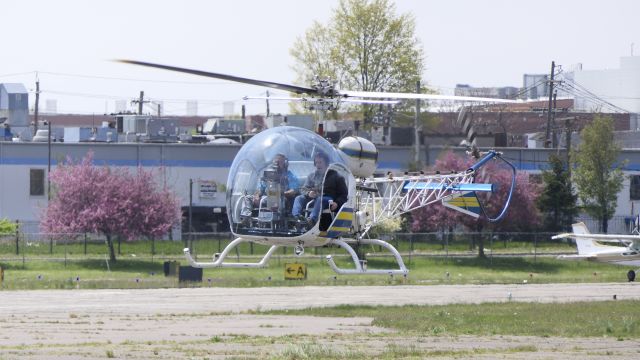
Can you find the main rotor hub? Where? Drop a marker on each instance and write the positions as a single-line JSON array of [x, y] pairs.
[[325, 87]]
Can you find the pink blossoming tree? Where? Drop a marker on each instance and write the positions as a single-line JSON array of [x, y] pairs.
[[110, 201], [522, 215]]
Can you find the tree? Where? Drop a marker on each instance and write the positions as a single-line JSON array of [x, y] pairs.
[[7, 227], [111, 201], [557, 200], [365, 46], [522, 215], [597, 176]]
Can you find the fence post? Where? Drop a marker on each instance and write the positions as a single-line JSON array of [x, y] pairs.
[[491, 247], [194, 251], [410, 248], [65, 252], [446, 246], [535, 248], [17, 237]]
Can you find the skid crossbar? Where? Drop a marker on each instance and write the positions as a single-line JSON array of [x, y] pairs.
[[359, 269], [219, 262]]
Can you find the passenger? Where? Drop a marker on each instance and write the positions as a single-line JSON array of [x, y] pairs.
[[278, 171], [332, 187]]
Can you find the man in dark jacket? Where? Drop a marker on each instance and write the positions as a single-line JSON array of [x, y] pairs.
[[334, 189]]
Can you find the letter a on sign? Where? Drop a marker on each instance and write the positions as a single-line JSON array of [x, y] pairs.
[[295, 271]]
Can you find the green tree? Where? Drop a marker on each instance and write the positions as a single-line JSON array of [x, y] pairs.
[[597, 176], [7, 226], [365, 46], [557, 202]]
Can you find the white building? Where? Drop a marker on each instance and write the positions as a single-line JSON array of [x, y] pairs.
[[620, 87]]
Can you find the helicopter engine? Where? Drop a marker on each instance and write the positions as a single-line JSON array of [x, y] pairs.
[[360, 155], [273, 190]]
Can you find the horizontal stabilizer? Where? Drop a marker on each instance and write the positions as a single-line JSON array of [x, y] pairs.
[[457, 187], [466, 203], [599, 237]]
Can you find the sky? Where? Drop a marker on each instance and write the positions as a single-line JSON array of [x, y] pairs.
[[68, 44]]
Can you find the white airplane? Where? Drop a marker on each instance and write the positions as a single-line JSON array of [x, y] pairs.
[[259, 190], [591, 247]]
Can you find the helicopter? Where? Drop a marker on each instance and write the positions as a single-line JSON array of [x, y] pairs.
[[259, 200]]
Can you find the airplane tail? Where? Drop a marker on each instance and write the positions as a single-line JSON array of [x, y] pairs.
[[585, 245]]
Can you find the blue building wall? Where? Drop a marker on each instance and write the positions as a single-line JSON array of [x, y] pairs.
[[178, 163]]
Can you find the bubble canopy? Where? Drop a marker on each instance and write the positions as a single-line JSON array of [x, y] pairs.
[[295, 147]]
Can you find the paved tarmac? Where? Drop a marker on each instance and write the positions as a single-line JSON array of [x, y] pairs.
[[218, 300]]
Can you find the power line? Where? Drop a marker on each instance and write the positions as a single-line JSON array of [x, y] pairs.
[[136, 79], [571, 86], [18, 74]]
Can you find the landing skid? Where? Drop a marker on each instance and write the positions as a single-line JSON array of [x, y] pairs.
[[358, 263], [219, 261]]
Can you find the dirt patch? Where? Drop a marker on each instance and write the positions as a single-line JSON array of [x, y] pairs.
[[204, 336], [206, 323]]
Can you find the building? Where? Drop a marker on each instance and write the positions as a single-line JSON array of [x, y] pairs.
[[504, 92], [537, 86], [620, 87], [202, 169], [14, 109]]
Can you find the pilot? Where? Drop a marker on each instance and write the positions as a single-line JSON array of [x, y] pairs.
[[288, 181], [332, 187]]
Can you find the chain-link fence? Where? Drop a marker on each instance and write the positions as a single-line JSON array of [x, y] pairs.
[[77, 247]]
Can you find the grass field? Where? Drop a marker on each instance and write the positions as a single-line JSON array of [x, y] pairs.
[[500, 329], [619, 319], [136, 268]]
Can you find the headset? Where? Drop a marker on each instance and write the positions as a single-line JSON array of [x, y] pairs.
[[286, 161]]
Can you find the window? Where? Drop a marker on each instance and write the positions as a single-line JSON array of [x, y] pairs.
[[36, 182], [634, 187]]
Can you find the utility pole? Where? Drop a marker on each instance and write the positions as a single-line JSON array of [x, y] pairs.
[[35, 125], [569, 123], [49, 162], [190, 238], [268, 112], [569, 130], [140, 102], [416, 125], [547, 138], [553, 121]]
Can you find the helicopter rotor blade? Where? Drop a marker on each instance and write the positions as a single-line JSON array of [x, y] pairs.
[[348, 100], [389, 95], [319, 90], [287, 87], [370, 101]]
